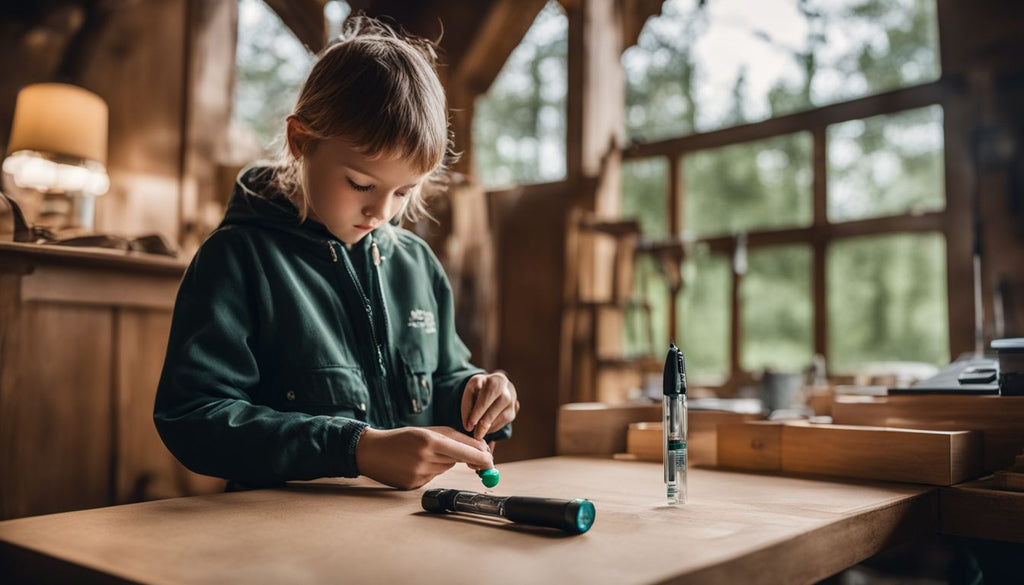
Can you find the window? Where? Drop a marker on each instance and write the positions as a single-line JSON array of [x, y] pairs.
[[777, 311], [887, 300], [753, 185], [271, 65], [886, 165], [823, 227], [701, 66], [645, 192], [705, 316], [519, 124]]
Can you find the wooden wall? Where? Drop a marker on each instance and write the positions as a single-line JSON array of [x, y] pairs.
[[983, 48], [165, 69]]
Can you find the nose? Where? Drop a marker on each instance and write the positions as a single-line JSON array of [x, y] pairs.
[[378, 208]]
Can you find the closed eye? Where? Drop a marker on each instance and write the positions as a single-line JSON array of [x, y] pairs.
[[357, 186]]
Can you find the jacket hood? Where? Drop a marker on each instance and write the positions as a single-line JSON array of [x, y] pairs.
[[255, 202]]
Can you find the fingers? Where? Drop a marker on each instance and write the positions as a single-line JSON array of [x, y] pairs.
[[458, 451], [485, 399], [462, 438], [490, 418], [499, 420], [469, 398]]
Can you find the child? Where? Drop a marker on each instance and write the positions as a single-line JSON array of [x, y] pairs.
[[313, 337]]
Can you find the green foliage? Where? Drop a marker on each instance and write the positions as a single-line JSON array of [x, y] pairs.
[[777, 309], [887, 300], [886, 294], [519, 124], [705, 308], [886, 165], [645, 193], [271, 65], [753, 185]]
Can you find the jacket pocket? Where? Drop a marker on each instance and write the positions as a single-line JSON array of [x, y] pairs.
[[419, 364], [334, 391]]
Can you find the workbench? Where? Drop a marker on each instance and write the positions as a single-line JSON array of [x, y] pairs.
[[736, 528]]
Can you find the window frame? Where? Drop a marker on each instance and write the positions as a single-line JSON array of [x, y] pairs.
[[952, 221]]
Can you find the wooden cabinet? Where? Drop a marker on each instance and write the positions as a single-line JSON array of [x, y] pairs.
[[82, 341]]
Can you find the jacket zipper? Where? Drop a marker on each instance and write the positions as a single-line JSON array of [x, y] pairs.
[[414, 401], [368, 309]]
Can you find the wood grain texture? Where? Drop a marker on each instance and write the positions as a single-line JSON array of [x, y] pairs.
[[738, 528], [146, 470], [885, 454], [594, 428], [978, 510], [915, 456], [1000, 418], [81, 347], [644, 439], [138, 66], [756, 446], [91, 286], [55, 410]]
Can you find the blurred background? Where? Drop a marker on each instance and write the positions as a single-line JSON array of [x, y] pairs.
[[826, 190]]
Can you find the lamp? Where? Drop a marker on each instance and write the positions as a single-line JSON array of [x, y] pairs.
[[57, 154]]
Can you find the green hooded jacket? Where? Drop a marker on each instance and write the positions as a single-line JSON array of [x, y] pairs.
[[285, 344]]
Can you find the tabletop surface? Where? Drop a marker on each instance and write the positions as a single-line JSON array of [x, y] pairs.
[[737, 527]]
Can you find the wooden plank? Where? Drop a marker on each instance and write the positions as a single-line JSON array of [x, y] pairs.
[[644, 439], [756, 446], [1000, 418], [501, 32], [594, 428], [305, 18], [55, 410], [737, 528], [883, 103], [977, 510], [145, 469], [885, 454], [211, 38], [914, 456], [86, 286], [32, 254]]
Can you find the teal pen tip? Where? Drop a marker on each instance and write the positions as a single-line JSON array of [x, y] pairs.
[[489, 477]]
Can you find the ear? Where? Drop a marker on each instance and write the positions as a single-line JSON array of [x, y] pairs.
[[298, 135]]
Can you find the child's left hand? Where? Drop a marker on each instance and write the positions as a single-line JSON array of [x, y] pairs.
[[489, 403]]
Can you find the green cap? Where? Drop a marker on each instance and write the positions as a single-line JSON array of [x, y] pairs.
[[489, 477]]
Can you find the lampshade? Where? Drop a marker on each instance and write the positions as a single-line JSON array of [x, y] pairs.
[[58, 140]]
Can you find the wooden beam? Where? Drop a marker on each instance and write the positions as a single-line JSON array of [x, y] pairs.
[[502, 31], [305, 18], [884, 103], [634, 16]]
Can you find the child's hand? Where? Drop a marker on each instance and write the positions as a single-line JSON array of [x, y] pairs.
[[489, 403], [409, 457]]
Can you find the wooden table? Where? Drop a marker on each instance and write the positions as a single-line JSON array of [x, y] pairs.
[[737, 528]]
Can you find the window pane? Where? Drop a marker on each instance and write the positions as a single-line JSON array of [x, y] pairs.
[[647, 330], [886, 165], [755, 185], [645, 194], [700, 66], [704, 324], [271, 65], [519, 124], [887, 300], [778, 310]]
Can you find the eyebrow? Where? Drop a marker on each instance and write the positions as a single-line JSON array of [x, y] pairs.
[[375, 179]]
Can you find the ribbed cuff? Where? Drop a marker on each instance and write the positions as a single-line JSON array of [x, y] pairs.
[[342, 439]]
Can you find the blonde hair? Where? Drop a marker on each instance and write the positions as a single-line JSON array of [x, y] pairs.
[[377, 89]]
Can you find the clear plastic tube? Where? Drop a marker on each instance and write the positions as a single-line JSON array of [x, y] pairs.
[[674, 425]]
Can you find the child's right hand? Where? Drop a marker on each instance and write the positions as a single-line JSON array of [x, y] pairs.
[[409, 457]]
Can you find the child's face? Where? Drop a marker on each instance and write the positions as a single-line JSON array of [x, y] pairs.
[[353, 194]]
